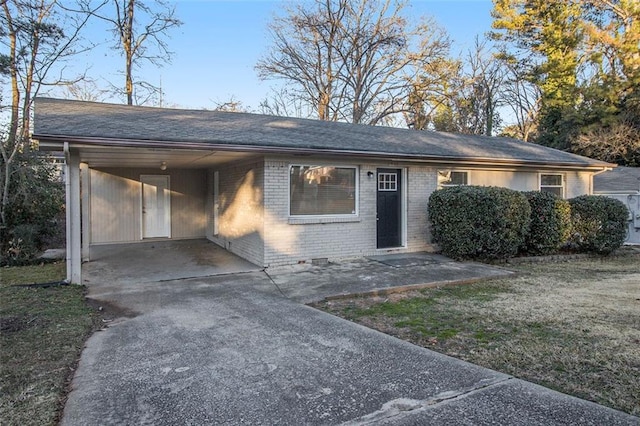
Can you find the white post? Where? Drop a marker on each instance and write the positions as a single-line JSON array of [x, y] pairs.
[[85, 192], [74, 267]]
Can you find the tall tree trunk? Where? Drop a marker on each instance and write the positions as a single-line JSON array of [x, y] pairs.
[[12, 141], [127, 40]]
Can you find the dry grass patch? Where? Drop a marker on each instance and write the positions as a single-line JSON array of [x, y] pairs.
[[574, 327], [42, 331]]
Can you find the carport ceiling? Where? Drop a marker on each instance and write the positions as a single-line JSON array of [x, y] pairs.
[[152, 158]]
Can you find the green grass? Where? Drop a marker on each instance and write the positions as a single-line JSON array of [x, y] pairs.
[[573, 327], [42, 332], [421, 316]]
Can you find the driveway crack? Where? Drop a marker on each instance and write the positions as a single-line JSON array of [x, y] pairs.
[[274, 283], [402, 407]]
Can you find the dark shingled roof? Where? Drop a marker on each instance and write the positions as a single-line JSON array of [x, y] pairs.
[[76, 121], [620, 179]]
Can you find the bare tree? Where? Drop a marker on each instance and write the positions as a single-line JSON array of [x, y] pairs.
[[231, 105], [350, 60], [487, 77], [430, 92], [40, 35], [458, 95], [522, 96], [617, 143], [304, 52], [141, 31], [284, 103], [86, 90]]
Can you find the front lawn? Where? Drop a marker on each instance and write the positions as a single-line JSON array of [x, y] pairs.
[[573, 327], [42, 331]]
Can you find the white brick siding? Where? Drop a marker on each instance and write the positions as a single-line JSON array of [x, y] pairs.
[[290, 241], [254, 217], [241, 215]]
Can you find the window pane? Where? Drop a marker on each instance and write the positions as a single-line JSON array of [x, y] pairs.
[[387, 182], [551, 180], [446, 178], [322, 190]]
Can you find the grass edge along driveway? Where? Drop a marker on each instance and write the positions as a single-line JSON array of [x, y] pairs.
[[42, 332], [570, 326]]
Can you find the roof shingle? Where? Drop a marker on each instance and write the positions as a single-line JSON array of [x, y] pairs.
[[620, 179], [56, 119]]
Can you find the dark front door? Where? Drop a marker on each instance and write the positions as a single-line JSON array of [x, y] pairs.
[[389, 202]]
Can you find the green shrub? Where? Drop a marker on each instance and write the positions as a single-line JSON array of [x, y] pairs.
[[35, 198], [599, 223], [550, 223], [479, 222]]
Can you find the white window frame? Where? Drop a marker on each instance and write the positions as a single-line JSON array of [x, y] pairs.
[[561, 186], [392, 183], [356, 195], [449, 185]]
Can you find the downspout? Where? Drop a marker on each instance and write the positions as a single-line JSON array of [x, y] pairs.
[[604, 169]]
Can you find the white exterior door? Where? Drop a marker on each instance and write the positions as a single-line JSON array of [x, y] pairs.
[[156, 206]]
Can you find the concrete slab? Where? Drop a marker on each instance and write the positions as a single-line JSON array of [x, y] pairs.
[[377, 275], [54, 254], [231, 349], [401, 260], [239, 348], [160, 261], [509, 402]]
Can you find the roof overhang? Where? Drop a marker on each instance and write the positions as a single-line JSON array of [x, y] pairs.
[[222, 149]]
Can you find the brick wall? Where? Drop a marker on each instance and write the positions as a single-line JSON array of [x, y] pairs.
[[241, 214], [300, 240], [254, 217]]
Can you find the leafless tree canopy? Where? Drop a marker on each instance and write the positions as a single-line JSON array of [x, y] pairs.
[[458, 95], [352, 61], [522, 97], [39, 36], [140, 31], [618, 143]]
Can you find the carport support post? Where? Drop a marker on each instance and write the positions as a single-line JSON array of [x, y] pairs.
[[74, 267], [85, 187]]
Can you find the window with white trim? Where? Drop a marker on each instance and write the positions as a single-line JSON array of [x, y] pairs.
[[323, 190], [553, 183], [447, 178]]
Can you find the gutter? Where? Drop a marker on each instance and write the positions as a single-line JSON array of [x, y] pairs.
[[53, 141]]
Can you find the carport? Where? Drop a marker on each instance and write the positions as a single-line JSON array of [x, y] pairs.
[[137, 196]]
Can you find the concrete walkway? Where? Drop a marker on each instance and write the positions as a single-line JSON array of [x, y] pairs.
[[232, 349], [377, 275]]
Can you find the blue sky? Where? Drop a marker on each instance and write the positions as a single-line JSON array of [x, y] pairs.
[[220, 41]]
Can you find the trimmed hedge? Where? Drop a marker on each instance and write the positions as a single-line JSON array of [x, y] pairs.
[[479, 222], [550, 223], [599, 223]]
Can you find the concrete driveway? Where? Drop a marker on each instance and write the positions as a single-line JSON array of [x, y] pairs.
[[232, 349]]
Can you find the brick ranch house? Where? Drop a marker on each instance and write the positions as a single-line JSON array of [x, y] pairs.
[[273, 190]]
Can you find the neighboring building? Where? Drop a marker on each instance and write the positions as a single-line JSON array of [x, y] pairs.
[[623, 183], [273, 190]]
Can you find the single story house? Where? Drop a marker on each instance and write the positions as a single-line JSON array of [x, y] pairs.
[[623, 183], [273, 190]]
